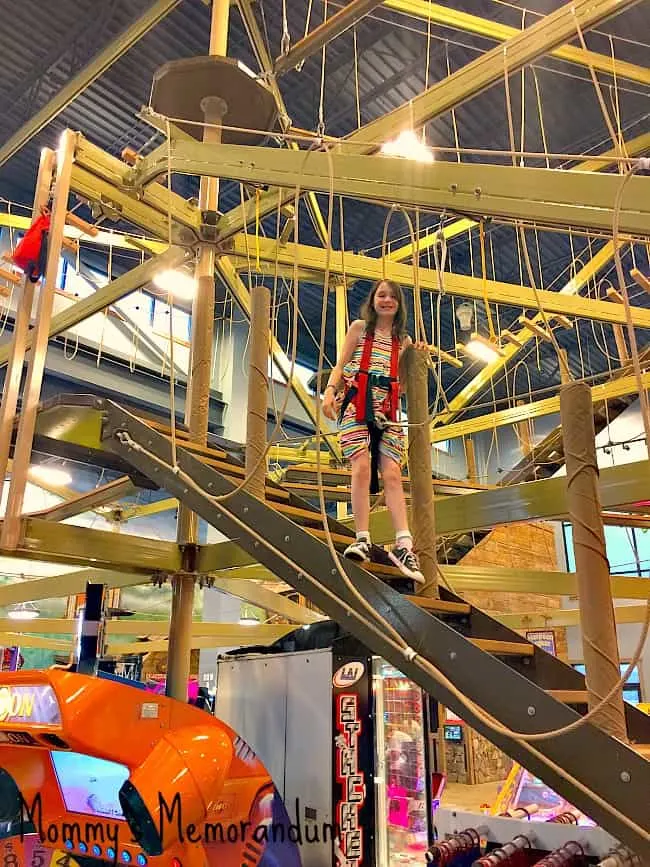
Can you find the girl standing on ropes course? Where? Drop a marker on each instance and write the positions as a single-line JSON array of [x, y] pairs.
[[368, 369]]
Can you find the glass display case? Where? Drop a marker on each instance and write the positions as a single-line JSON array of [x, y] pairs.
[[401, 768]]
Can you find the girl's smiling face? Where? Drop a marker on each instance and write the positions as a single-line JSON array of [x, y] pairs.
[[385, 301]]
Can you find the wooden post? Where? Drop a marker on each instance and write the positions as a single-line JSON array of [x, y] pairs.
[[197, 404], [470, 459], [23, 315], [420, 467], [40, 337], [258, 389], [525, 433], [599, 640]]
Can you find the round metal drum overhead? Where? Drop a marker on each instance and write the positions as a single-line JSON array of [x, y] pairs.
[[180, 86]]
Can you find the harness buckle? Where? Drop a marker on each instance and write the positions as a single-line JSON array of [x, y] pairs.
[[381, 420]]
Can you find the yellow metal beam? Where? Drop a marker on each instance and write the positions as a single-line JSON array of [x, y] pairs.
[[541, 500], [490, 578], [368, 268], [116, 240], [458, 20], [99, 177], [547, 34], [566, 617], [66, 584], [634, 147], [81, 546], [536, 409], [338, 23], [547, 196], [107, 295], [256, 594]]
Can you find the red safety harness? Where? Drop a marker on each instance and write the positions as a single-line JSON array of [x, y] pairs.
[[360, 395], [363, 397]]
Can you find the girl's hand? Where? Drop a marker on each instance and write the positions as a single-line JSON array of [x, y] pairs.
[[421, 344], [330, 404]]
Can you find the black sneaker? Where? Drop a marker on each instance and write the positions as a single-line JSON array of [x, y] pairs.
[[358, 550], [407, 562]]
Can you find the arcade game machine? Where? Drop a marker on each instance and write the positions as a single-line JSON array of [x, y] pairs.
[[343, 735], [93, 771]]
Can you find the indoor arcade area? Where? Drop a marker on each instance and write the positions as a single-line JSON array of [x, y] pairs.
[[325, 433]]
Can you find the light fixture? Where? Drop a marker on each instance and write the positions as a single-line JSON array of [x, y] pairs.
[[178, 283], [482, 349], [465, 315], [23, 611], [48, 474], [248, 621], [409, 146]]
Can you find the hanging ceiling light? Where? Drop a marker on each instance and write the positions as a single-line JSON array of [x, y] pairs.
[[409, 146], [482, 349], [23, 611]]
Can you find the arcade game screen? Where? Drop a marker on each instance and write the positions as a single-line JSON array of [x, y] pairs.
[[523, 789], [90, 785]]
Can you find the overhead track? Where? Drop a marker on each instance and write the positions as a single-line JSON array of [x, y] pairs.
[[360, 267], [547, 196]]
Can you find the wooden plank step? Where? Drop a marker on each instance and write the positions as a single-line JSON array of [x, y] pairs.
[[569, 696], [439, 606], [298, 515], [642, 749], [208, 451], [163, 428], [337, 538], [503, 648]]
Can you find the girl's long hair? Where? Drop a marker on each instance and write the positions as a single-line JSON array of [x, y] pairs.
[[369, 314]]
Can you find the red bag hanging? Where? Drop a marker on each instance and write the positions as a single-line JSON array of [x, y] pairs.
[[31, 253]]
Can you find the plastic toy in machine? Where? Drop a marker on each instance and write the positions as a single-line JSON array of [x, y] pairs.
[[92, 770]]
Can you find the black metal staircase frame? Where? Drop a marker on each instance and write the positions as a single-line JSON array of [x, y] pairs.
[[603, 777]]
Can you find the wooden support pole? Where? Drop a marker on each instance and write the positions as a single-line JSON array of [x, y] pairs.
[[563, 361], [621, 344], [341, 320], [420, 467], [40, 335], [599, 640], [525, 433], [198, 386], [258, 389], [470, 459], [21, 327]]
